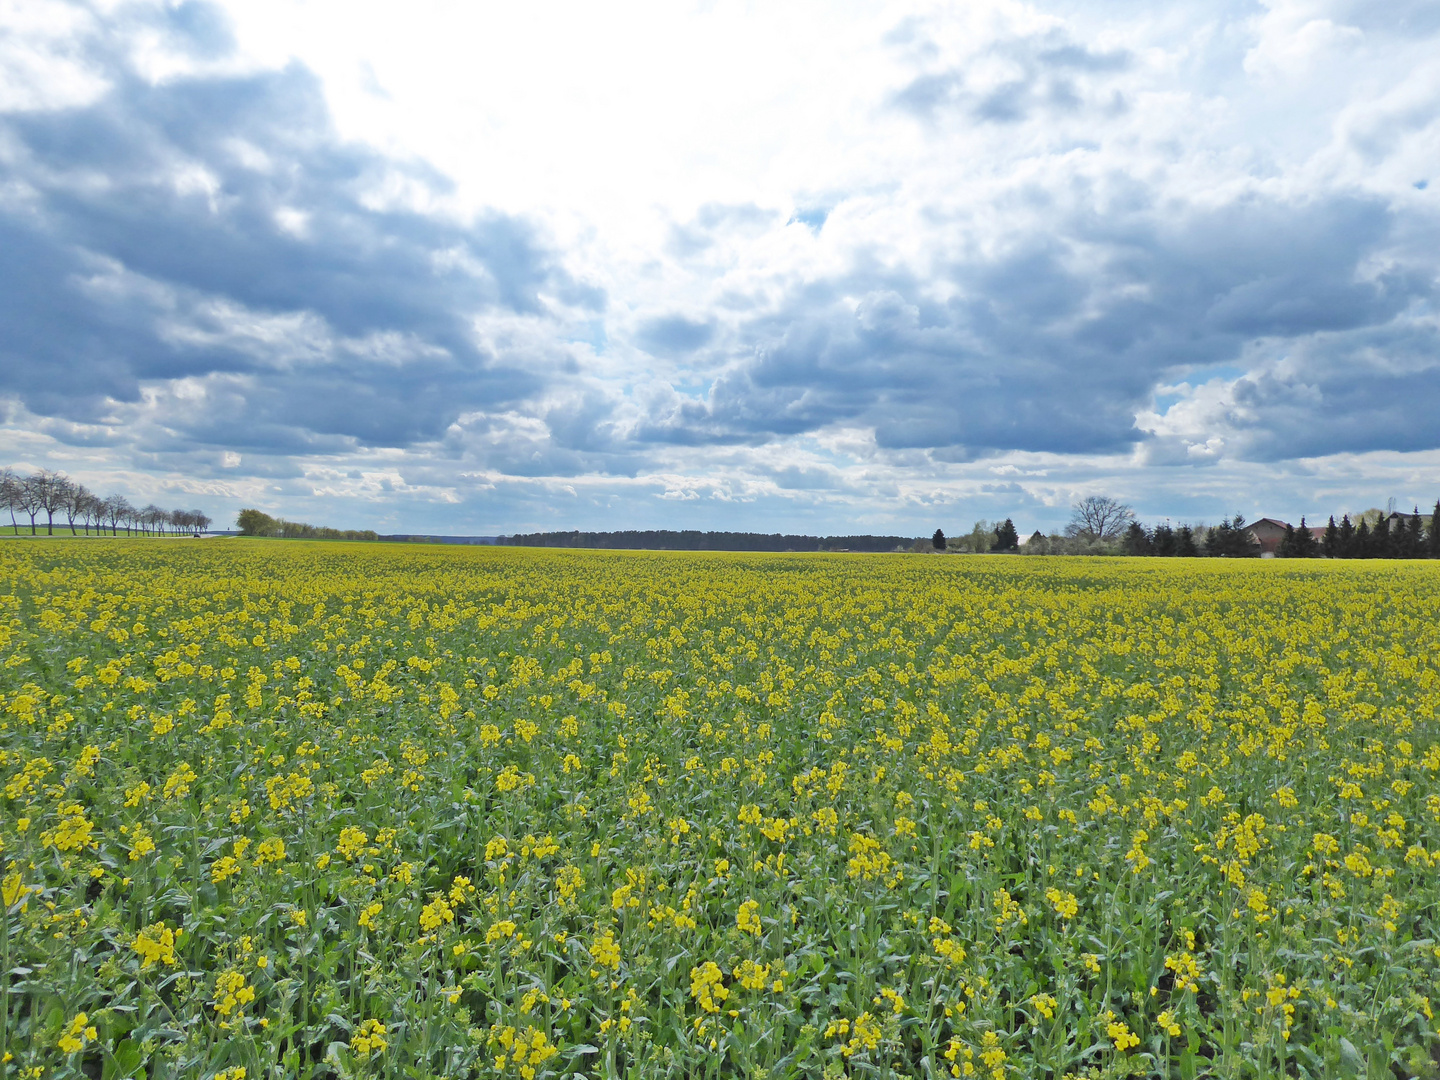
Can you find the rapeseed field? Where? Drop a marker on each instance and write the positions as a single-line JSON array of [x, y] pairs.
[[278, 809]]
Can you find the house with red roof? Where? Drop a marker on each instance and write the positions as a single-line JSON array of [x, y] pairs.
[[1268, 532]]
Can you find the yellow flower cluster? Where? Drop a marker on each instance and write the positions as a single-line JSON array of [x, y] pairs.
[[156, 945], [369, 1038], [527, 1049], [78, 1034]]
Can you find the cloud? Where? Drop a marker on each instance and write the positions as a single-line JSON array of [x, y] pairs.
[[672, 335], [1055, 344], [215, 224], [974, 261], [1014, 77]]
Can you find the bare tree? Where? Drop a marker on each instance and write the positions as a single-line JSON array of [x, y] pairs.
[[1099, 517], [74, 499], [50, 489], [94, 510], [151, 517], [28, 499], [51, 492], [116, 509], [10, 495]]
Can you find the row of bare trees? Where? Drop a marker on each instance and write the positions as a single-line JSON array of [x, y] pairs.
[[48, 494]]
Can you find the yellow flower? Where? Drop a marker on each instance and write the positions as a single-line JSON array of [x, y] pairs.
[[351, 843], [436, 914], [1166, 1023], [72, 832], [177, 784], [707, 986], [141, 844], [1065, 903], [14, 889], [1119, 1033], [369, 1038], [747, 918], [77, 1034], [231, 992], [156, 945], [605, 951]]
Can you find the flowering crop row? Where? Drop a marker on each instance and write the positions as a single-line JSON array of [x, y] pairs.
[[343, 810]]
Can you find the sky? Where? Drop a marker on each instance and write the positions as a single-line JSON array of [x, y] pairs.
[[475, 268]]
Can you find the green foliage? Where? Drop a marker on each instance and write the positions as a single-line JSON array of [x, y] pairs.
[[1231, 540], [258, 523]]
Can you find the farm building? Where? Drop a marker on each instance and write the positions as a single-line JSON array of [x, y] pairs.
[[1268, 532]]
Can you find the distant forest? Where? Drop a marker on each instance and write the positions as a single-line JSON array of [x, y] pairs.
[[695, 540]]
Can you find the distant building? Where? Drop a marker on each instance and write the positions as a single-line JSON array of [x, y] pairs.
[[1268, 532]]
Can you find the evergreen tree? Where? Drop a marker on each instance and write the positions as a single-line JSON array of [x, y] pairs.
[[1414, 544], [1286, 548], [1231, 540], [1006, 538], [1381, 545], [1304, 541], [938, 540], [1137, 540], [1185, 542], [1364, 547], [1330, 545], [1162, 541], [1434, 544], [1345, 549]]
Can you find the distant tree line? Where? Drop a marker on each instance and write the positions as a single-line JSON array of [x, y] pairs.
[[1376, 536], [259, 523], [695, 540], [51, 494], [1103, 526], [1231, 539]]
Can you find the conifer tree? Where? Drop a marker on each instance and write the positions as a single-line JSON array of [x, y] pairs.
[[1137, 540], [1231, 540], [1162, 541], [1006, 538], [1346, 548], [1434, 544], [1286, 548], [1414, 537], [1364, 546], [1380, 539], [1330, 545], [1304, 541], [1185, 546]]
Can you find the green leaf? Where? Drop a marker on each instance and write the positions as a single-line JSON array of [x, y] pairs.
[[124, 1061], [1351, 1062]]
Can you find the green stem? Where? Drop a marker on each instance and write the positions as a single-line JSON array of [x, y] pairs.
[[4, 985]]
